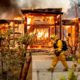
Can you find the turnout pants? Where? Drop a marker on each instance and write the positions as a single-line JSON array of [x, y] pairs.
[[61, 58]]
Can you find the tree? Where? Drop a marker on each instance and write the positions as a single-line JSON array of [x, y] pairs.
[[26, 40], [1, 49]]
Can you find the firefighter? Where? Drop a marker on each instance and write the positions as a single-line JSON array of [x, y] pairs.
[[59, 53]]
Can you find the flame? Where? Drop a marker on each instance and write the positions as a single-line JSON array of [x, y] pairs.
[[11, 24], [18, 18], [28, 22], [3, 28], [67, 27], [43, 34], [46, 35], [28, 27], [39, 35]]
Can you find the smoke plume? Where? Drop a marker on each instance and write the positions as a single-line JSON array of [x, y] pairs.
[[9, 9], [64, 4]]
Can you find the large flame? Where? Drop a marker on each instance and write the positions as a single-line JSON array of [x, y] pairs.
[[42, 34], [28, 22]]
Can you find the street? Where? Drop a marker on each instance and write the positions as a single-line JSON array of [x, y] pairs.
[[40, 64]]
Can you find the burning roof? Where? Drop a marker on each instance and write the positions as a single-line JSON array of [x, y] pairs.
[[45, 10], [3, 21]]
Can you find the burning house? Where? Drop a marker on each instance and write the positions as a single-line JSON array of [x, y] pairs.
[[13, 29], [43, 22], [71, 28], [68, 27]]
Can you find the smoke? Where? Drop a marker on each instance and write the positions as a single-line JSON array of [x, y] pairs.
[[10, 14], [9, 9], [73, 2], [8, 4], [64, 4], [5, 3]]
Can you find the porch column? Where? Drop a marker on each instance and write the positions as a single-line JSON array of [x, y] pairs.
[[25, 25], [60, 27], [76, 33], [55, 27]]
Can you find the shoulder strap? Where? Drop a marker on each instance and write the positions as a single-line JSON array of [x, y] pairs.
[[57, 40]]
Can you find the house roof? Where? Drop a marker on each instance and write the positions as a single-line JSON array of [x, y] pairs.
[[45, 10]]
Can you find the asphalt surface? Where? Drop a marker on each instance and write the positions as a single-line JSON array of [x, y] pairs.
[[40, 64]]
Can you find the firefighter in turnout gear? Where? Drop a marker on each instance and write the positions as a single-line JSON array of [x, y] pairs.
[[59, 53]]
